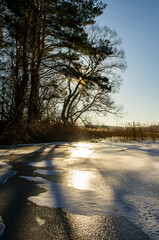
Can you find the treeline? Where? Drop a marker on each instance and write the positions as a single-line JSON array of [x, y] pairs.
[[55, 63], [44, 132]]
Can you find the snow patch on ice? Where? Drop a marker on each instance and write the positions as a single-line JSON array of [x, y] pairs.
[[125, 181], [29, 148], [85, 202], [6, 172], [3, 164], [145, 213], [41, 164], [46, 172], [40, 221]]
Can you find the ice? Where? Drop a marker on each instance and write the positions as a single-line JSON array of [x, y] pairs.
[[3, 164], [46, 172], [27, 148], [106, 178], [6, 172], [41, 164], [85, 202]]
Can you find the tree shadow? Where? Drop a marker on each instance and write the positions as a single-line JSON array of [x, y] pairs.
[[130, 187], [57, 194], [139, 147], [15, 192], [133, 197], [14, 208]]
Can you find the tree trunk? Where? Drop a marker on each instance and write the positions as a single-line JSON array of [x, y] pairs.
[[20, 85], [34, 110]]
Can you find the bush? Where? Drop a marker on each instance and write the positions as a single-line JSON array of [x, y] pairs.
[[40, 131]]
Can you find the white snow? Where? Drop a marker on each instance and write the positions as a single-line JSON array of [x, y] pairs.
[[41, 164], [86, 202], [40, 221], [46, 172], [6, 171], [103, 178], [27, 148]]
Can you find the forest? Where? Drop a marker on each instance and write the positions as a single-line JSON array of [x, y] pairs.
[[56, 64]]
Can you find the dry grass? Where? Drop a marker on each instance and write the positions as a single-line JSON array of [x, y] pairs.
[[46, 132], [42, 132], [130, 132]]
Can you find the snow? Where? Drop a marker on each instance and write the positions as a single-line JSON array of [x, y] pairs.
[[27, 148], [6, 171], [46, 172], [105, 178], [40, 221], [41, 164], [85, 202]]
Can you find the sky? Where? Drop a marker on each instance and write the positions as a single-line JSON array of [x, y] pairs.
[[137, 24]]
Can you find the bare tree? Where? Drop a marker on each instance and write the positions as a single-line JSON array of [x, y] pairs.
[[93, 78]]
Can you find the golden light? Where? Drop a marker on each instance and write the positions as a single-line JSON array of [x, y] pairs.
[[82, 150], [80, 179]]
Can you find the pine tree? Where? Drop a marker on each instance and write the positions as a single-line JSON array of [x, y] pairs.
[[39, 32]]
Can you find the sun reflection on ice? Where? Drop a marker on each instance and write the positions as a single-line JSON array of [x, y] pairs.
[[80, 179], [82, 150]]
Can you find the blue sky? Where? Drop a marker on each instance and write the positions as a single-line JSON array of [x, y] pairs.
[[137, 24]]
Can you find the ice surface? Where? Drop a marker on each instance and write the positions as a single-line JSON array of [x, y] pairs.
[[99, 179], [46, 172], [41, 164], [27, 148], [6, 171], [85, 202]]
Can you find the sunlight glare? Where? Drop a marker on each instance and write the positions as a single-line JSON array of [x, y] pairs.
[[82, 150], [77, 178], [80, 179]]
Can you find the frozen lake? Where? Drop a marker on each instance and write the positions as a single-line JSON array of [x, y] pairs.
[[112, 179]]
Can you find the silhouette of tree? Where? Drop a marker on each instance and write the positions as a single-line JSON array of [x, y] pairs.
[[91, 77], [37, 33]]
